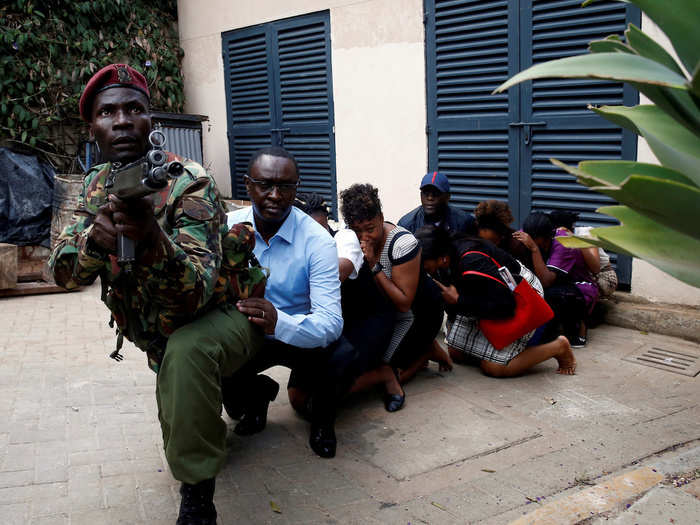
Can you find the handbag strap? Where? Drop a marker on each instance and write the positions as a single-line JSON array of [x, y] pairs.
[[485, 255], [473, 272]]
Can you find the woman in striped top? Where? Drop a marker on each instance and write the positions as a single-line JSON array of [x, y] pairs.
[[392, 254]]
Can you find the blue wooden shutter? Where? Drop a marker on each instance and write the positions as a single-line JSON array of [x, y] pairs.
[[470, 50], [250, 98], [479, 139], [305, 109], [570, 131], [279, 92]]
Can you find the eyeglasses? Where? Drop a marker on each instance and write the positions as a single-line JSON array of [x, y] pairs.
[[265, 186]]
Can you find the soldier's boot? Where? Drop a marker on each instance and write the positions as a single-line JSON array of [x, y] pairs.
[[197, 504]]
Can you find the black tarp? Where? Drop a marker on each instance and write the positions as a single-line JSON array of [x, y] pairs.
[[26, 191]]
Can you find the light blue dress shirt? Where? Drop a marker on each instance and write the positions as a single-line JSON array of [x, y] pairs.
[[303, 285]]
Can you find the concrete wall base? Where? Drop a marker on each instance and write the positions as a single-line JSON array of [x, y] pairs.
[[630, 311]]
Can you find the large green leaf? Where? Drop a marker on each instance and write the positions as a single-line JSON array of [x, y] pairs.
[[663, 198], [668, 250], [615, 172], [695, 85], [614, 66], [645, 46], [676, 206], [680, 20], [674, 145], [678, 103], [575, 241], [610, 44]]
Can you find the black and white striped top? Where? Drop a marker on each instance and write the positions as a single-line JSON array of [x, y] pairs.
[[403, 247]]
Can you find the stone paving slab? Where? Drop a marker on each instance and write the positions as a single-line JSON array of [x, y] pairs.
[[80, 440], [660, 505], [398, 449]]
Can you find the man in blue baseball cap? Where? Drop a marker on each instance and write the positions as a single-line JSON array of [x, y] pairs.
[[435, 209]]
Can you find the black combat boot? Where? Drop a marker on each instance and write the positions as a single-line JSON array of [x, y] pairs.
[[197, 504]]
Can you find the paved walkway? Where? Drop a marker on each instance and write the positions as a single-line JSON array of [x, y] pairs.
[[80, 441]]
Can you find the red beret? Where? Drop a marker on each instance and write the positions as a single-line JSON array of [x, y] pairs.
[[113, 75]]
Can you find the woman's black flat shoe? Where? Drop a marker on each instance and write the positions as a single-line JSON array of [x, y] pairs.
[[394, 402]]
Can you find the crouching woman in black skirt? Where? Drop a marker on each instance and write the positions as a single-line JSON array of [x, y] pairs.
[[471, 296]]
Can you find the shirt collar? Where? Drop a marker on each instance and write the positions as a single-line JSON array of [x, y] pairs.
[[286, 231]]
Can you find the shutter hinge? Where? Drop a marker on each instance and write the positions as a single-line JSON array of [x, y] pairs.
[[427, 130], [425, 17]]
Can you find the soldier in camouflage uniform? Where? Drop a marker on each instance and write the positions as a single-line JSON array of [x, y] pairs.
[[177, 301]]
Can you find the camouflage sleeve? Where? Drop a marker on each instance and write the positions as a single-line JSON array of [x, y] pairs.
[[74, 261], [183, 267]]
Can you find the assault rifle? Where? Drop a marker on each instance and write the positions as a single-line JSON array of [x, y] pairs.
[[137, 179]]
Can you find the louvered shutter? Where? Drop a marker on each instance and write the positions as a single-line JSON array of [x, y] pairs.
[[279, 92], [470, 51], [305, 102], [480, 141], [571, 132], [250, 98]]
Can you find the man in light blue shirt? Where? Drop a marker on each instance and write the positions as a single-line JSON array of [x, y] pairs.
[[303, 285], [300, 313]]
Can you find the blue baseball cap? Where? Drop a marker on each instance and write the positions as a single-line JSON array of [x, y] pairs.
[[436, 179]]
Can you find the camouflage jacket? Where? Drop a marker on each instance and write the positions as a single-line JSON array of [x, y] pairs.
[[196, 266]]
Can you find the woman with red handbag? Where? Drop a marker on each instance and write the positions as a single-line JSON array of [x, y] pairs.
[[482, 301]]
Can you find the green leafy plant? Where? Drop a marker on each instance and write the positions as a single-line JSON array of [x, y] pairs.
[[52, 47], [659, 207]]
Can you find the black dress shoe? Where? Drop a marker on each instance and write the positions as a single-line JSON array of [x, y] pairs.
[[233, 409], [254, 418], [197, 504], [231, 398], [322, 440], [306, 411]]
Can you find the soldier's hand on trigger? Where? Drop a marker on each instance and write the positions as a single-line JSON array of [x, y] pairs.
[[260, 312], [134, 218], [103, 232]]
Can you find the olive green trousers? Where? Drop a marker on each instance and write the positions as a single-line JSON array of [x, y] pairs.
[[188, 389]]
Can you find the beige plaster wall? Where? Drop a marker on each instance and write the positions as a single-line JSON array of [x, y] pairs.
[[379, 93], [647, 281], [653, 284], [378, 63]]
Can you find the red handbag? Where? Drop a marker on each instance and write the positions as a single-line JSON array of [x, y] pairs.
[[531, 312]]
